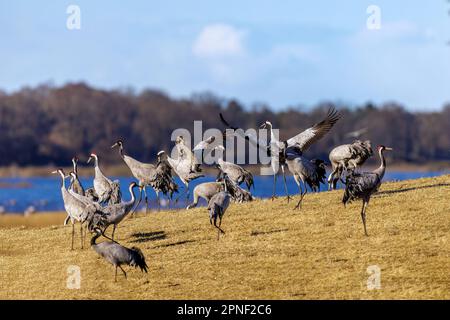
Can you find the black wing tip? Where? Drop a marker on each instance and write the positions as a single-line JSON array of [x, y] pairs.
[[333, 115]]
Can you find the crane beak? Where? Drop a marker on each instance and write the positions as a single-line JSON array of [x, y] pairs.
[[89, 160], [388, 149], [263, 126], [114, 145], [56, 171]]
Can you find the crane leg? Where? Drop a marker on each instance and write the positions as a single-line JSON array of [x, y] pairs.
[[114, 229], [124, 273], [81, 236], [285, 184], [73, 234], [159, 201], [146, 200], [302, 194], [186, 190], [274, 186], [363, 215], [139, 201]]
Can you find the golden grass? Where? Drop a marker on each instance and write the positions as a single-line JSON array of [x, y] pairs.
[[268, 252]]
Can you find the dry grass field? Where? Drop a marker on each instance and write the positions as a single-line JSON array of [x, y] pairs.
[[269, 251]]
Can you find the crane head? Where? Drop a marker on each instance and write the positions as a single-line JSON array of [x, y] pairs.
[[118, 143], [266, 124], [60, 171], [92, 156], [133, 185], [383, 148]]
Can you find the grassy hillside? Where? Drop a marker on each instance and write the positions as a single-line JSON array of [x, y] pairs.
[[268, 251]]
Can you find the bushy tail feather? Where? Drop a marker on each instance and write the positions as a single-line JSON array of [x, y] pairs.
[[248, 179], [139, 259], [116, 194]]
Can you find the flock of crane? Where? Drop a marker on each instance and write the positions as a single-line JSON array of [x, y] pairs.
[[101, 206]]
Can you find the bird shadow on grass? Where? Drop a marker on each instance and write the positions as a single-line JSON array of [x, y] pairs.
[[148, 236], [388, 192], [174, 243], [257, 233]]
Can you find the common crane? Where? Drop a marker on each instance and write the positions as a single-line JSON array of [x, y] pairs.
[[118, 255], [75, 183], [217, 206], [182, 168], [301, 141], [307, 172], [235, 172], [147, 174], [347, 157], [363, 185], [115, 213], [106, 190], [77, 210]]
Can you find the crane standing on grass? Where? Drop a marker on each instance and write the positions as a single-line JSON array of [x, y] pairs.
[[147, 174], [307, 172], [363, 185]]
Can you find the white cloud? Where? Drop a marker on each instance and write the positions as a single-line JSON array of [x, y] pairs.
[[219, 40]]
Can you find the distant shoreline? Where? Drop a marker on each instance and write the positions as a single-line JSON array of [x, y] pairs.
[[122, 169]]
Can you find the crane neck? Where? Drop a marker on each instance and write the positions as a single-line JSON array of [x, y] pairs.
[[94, 239], [133, 198], [382, 168], [75, 168], [121, 151], [63, 181], [272, 134]]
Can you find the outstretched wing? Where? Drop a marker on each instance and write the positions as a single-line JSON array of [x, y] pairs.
[[306, 138], [260, 144]]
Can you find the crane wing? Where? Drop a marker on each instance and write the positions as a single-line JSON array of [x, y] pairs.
[[306, 138], [260, 144]]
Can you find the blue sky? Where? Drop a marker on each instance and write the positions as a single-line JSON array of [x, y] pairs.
[[283, 53]]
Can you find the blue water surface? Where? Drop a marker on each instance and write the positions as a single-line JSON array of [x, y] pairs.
[[44, 193]]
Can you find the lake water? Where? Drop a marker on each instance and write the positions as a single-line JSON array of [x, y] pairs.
[[43, 193]]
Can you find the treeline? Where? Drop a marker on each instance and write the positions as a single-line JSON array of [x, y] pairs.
[[48, 125]]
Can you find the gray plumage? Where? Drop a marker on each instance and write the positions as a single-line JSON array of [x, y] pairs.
[[217, 206], [301, 141], [119, 255], [107, 191], [363, 185], [348, 157], [147, 174], [206, 191], [307, 172], [77, 210], [237, 193], [235, 172], [115, 213], [75, 183], [185, 167]]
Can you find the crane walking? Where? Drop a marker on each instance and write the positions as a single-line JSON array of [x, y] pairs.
[[118, 255]]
